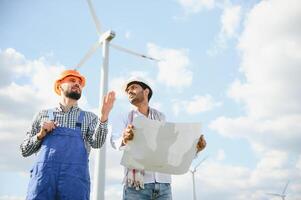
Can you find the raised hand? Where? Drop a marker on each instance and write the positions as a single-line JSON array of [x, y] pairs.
[[107, 105]]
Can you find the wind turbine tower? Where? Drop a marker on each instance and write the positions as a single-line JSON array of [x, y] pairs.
[[193, 169], [104, 41]]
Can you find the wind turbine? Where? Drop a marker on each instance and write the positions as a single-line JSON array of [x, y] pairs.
[[193, 170], [104, 41], [282, 195]]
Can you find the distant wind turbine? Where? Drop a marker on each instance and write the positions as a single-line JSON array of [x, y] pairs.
[[193, 170], [283, 194]]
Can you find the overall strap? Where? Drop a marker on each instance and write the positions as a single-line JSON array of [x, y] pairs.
[[80, 119]]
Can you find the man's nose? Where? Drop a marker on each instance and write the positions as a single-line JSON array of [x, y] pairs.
[[77, 84], [130, 92]]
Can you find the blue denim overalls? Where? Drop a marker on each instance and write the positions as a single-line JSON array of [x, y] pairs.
[[61, 171]]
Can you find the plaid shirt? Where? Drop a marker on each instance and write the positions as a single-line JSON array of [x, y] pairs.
[[94, 132]]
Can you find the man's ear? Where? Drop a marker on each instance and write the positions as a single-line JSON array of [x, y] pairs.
[[60, 87], [146, 91]]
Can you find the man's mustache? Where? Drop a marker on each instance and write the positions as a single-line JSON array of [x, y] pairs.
[[77, 87]]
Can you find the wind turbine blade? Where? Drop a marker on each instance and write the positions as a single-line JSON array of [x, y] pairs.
[[88, 54], [95, 19], [274, 194], [132, 52], [284, 190]]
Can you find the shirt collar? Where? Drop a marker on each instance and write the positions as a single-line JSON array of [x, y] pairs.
[[139, 113], [74, 107]]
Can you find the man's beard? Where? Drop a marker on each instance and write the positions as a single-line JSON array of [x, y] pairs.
[[72, 95], [138, 98]]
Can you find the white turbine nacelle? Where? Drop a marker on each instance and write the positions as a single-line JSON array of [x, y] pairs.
[[108, 35]]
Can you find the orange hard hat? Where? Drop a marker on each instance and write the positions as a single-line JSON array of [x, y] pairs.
[[64, 74]]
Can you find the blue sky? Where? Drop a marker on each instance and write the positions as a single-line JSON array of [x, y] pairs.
[[234, 66]]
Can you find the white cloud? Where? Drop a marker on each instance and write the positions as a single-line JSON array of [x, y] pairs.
[[128, 34], [263, 134], [201, 104], [173, 66], [220, 155], [230, 22], [271, 91], [273, 166], [271, 49], [156, 105], [17, 96], [298, 164], [230, 19], [196, 105], [195, 6], [12, 65], [6, 197], [270, 94]]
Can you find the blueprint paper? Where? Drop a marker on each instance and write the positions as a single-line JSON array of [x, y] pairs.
[[161, 146]]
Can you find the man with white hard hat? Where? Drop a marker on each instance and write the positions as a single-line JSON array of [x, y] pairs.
[[63, 136], [140, 184]]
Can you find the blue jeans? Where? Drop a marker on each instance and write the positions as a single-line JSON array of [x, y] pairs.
[[151, 191]]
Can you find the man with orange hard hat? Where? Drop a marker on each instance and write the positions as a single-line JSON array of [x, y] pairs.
[[63, 137]]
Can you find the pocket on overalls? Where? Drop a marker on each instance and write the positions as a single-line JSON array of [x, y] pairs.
[[39, 183]]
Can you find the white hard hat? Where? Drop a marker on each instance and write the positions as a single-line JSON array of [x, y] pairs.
[[139, 80]]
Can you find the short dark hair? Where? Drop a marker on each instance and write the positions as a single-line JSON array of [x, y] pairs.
[[144, 86]]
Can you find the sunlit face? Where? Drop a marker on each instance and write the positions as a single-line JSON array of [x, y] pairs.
[[71, 87], [135, 93]]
